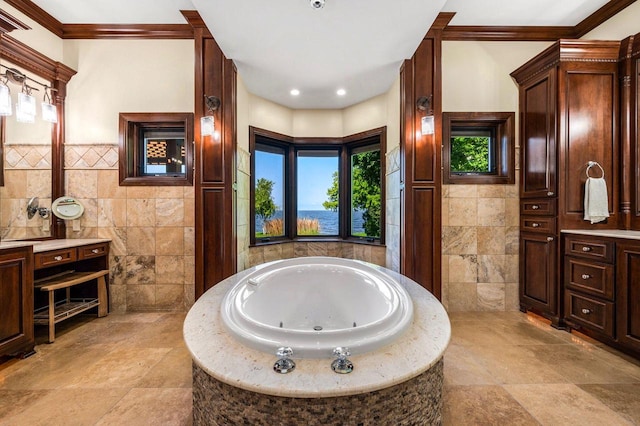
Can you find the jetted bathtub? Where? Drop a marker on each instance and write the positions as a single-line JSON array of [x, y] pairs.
[[314, 304]]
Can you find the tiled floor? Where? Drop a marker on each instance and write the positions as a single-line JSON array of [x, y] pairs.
[[500, 369]]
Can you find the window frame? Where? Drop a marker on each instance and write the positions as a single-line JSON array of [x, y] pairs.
[[502, 124], [131, 126], [292, 145]]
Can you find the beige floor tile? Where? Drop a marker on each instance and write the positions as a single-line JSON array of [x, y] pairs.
[[483, 405], [121, 368], [461, 368], [623, 399], [67, 407], [173, 371], [584, 365], [564, 404], [151, 407], [501, 368], [515, 364]]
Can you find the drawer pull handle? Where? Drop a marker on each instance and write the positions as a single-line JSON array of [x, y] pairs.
[[549, 238], [95, 251], [586, 276], [535, 225], [586, 311], [586, 249], [550, 194], [58, 258], [535, 207]]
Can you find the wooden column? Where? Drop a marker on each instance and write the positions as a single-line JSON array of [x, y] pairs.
[[421, 163], [215, 232]]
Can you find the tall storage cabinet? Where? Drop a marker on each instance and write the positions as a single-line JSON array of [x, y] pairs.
[[568, 109]]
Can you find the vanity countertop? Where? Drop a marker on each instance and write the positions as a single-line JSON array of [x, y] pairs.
[[48, 245], [611, 233]]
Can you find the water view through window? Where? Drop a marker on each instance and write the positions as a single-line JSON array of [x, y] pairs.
[[317, 170]]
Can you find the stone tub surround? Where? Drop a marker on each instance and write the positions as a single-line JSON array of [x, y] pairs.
[[419, 400], [225, 359]]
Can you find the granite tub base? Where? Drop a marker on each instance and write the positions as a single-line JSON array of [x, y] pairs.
[[418, 401]]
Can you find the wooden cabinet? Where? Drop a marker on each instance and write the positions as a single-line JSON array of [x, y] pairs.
[[538, 276], [628, 294], [601, 276], [589, 284], [16, 301], [568, 115]]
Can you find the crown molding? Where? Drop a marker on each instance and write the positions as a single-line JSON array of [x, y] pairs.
[[38, 14], [535, 33], [128, 31], [8, 23], [505, 33], [185, 31], [33, 61]]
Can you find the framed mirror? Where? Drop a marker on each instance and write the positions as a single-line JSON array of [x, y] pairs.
[[32, 153]]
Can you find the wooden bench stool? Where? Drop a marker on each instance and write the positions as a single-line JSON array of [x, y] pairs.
[[55, 312]]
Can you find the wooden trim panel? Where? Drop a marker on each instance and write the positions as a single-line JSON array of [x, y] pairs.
[[128, 31]]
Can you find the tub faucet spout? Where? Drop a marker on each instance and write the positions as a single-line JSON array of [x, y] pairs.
[[284, 364], [342, 365]]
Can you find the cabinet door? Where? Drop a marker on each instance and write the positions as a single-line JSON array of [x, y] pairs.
[[538, 130], [538, 275], [16, 302], [628, 294]]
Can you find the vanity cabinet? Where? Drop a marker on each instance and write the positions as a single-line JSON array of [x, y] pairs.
[[16, 301], [571, 85], [589, 284], [601, 281]]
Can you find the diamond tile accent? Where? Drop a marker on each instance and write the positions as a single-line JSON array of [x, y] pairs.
[[93, 157], [28, 157]]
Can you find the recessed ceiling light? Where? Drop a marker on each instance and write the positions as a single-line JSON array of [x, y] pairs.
[[294, 92], [341, 92]]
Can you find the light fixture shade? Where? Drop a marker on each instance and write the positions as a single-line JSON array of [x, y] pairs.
[[207, 125], [26, 108], [5, 100], [427, 125], [49, 112]]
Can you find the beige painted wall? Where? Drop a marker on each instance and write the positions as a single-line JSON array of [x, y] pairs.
[[480, 222], [125, 76], [151, 228]]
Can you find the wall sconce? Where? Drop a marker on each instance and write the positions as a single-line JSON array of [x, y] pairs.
[[26, 105], [207, 122], [428, 123]]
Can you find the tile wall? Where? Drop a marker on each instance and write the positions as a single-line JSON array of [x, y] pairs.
[[152, 231], [480, 232]]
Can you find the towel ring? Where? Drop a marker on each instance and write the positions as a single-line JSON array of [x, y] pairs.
[[591, 164]]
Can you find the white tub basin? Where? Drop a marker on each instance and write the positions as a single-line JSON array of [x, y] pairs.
[[314, 304]]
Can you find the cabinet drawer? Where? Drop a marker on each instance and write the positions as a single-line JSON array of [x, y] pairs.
[[542, 207], [94, 250], [54, 257], [546, 225], [590, 277], [600, 250], [590, 312]]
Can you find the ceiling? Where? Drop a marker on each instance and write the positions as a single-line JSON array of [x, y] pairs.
[[355, 45]]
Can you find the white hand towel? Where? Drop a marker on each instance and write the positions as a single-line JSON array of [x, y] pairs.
[[596, 201]]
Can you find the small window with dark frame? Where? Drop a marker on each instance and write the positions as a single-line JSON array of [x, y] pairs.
[[156, 149], [478, 148]]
